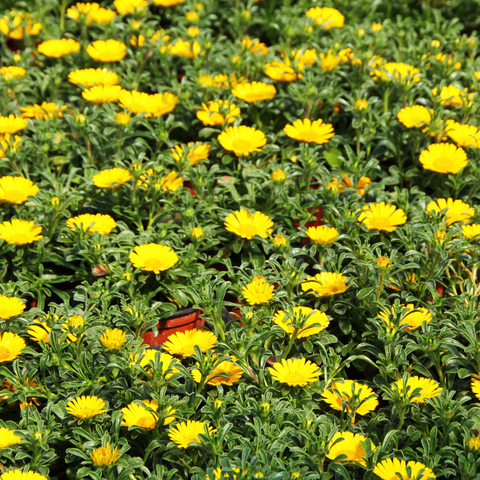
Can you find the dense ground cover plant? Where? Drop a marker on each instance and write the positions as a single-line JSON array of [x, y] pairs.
[[306, 174]]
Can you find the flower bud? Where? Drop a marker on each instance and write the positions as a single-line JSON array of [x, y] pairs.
[[278, 175], [193, 32], [246, 15], [279, 241], [361, 104], [199, 7], [383, 262], [55, 201], [197, 232], [265, 408], [435, 44], [361, 32], [474, 443], [122, 118], [192, 17], [17, 58], [136, 25], [81, 119], [376, 27], [217, 404]]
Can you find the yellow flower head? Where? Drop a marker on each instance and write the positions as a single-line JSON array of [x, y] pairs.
[[10, 307], [330, 62], [402, 72], [282, 72], [182, 343], [382, 216], [470, 231], [428, 388], [102, 16], [11, 346], [167, 3], [444, 158], [217, 112], [185, 433], [12, 124], [107, 51], [326, 17], [242, 140], [11, 73], [476, 387], [157, 105], [306, 316], [59, 48], [83, 9], [451, 96], [310, 132], [90, 77], [104, 456], [153, 257], [16, 190], [193, 32], [20, 232], [414, 117], [295, 372], [102, 93], [463, 135], [197, 232], [171, 182], [39, 332], [195, 152], [140, 415], [113, 339], [44, 111], [361, 399], [390, 468], [86, 407], [246, 225], [361, 104], [414, 320], [473, 443], [255, 46], [376, 27], [279, 241], [226, 367], [166, 360], [349, 446], [305, 57], [103, 224], [125, 7], [122, 118], [456, 210], [184, 49], [8, 142], [254, 92], [8, 438], [278, 175], [258, 291], [325, 284], [21, 475], [322, 235], [111, 178]]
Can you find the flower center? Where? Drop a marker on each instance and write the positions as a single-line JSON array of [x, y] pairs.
[[294, 378], [241, 145], [4, 354], [379, 222], [308, 135], [19, 239], [146, 422], [153, 264], [249, 230], [190, 438], [442, 164]]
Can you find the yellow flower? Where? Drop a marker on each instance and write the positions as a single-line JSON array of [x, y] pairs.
[[193, 32], [21, 475], [184, 49], [125, 7], [197, 232], [8, 142], [451, 96], [463, 135], [414, 117], [10, 307], [113, 339], [348, 445], [307, 316], [305, 57], [329, 62], [279, 241], [361, 399], [255, 46], [167, 3], [111, 178], [76, 321], [182, 343], [103, 224], [278, 175], [157, 104], [140, 40], [457, 211], [473, 443], [86, 407], [166, 360], [153, 257], [246, 225], [107, 51], [104, 456], [11, 346], [139, 416], [16, 190], [102, 16], [383, 262], [20, 232], [44, 111], [376, 27], [254, 92], [229, 368], [470, 231], [82, 9], [476, 387], [10, 73], [427, 388], [242, 140], [195, 152], [89, 77], [102, 93], [218, 112], [390, 468], [59, 48], [192, 17], [258, 291], [310, 132], [295, 372], [171, 182], [414, 320], [403, 72], [185, 433], [12, 124], [382, 216], [325, 284], [361, 104], [444, 158], [8, 438], [282, 72], [39, 332], [122, 118], [322, 235], [326, 17]]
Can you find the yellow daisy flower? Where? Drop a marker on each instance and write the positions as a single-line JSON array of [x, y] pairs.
[[10, 307], [322, 235], [242, 140], [104, 456], [414, 320], [11, 346], [255, 46], [113, 339], [390, 468], [233, 371], [428, 388], [246, 225], [361, 399], [90, 77], [463, 135], [103, 224], [278, 175], [457, 211], [59, 48], [217, 112], [470, 231], [329, 62], [310, 132], [165, 359], [20, 232], [21, 475], [279, 241], [8, 438], [414, 117], [184, 49], [8, 142], [44, 111], [195, 152], [86, 407], [125, 7], [476, 387], [103, 16], [82, 9], [326, 17], [156, 105], [167, 3], [197, 232], [451, 96], [112, 178], [282, 72], [12, 124], [122, 118], [182, 343], [171, 182], [473, 443], [254, 92], [11, 73], [139, 416], [16, 190], [444, 158], [39, 332], [185, 433], [107, 51], [349, 445], [102, 93], [325, 284], [153, 257], [258, 291], [382, 216], [402, 72], [307, 315], [295, 372]]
